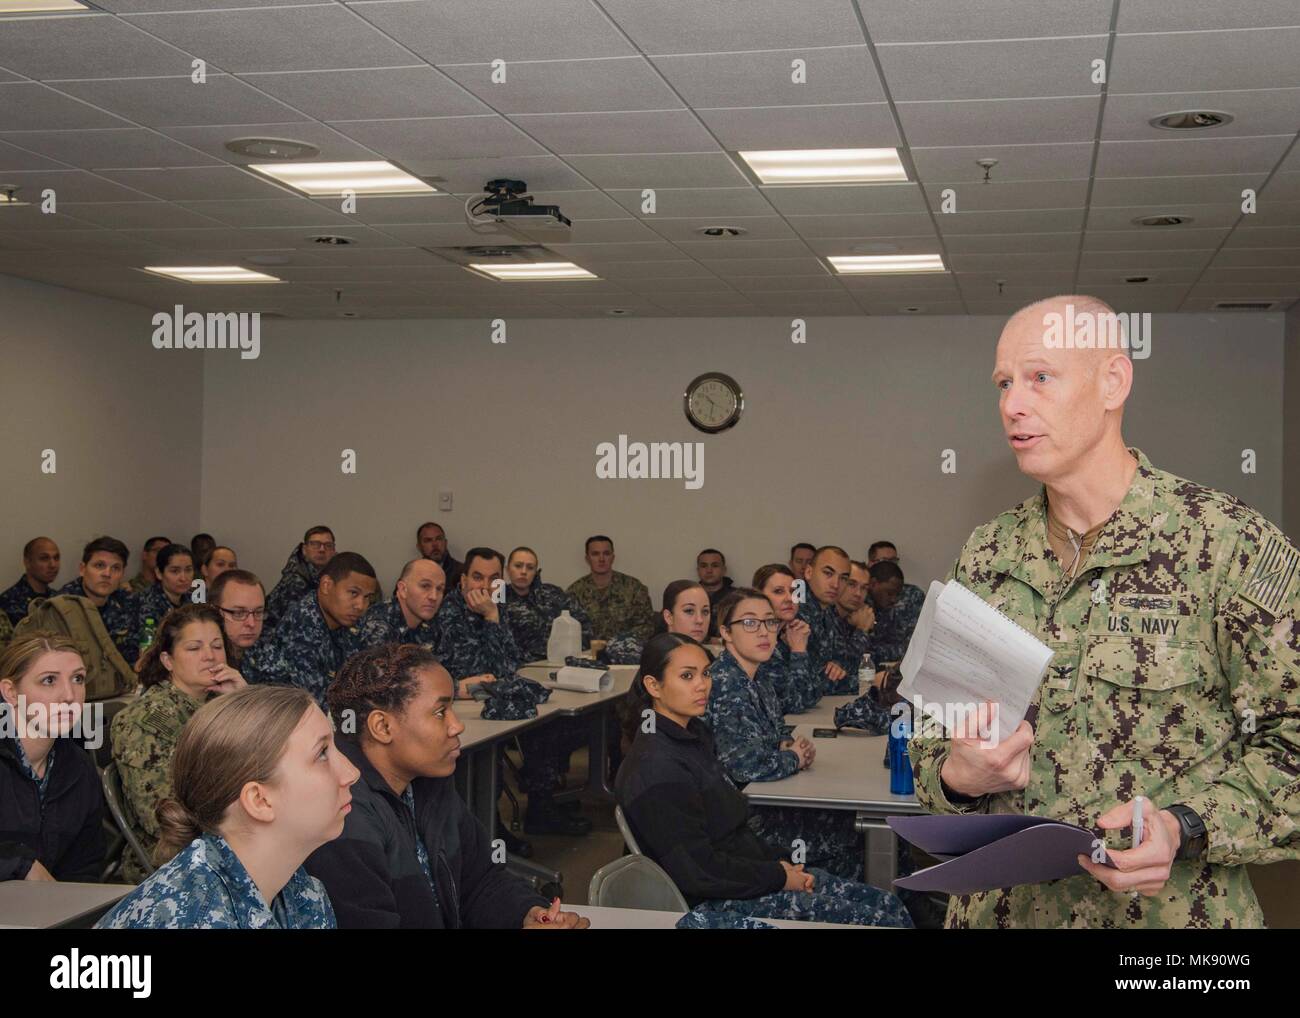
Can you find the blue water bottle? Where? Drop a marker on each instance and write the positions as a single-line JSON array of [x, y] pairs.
[[900, 767]]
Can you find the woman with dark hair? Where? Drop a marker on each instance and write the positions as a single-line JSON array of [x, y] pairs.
[[258, 784], [686, 610], [174, 565], [689, 818], [51, 806], [411, 855], [789, 669], [185, 666], [754, 743]]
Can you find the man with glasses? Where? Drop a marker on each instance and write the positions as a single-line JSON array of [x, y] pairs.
[[301, 572], [241, 599]]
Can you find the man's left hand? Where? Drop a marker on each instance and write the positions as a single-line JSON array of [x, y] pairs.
[[1146, 868]]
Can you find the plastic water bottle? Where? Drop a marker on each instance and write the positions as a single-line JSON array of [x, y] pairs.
[[147, 634], [866, 673], [900, 767], [566, 638]]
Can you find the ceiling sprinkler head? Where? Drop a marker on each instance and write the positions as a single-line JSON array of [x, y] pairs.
[[987, 165]]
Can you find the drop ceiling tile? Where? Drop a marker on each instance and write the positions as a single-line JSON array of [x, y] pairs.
[[1000, 243], [992, 122], [70, 186], [31, 217], [1006, 69], [196, 183], [891, 21], [1245, 256], [1259, 112], [857, 125], [85, 46], [737, 268], [137, 215], [1253, 274], [468, 176], [878, 245], [736, 247], [109, 149], [370, 94], [1193, 157], [212, 139], [891, 225], [457, 31], [848, 199], [1153, 238], [274, 39], [1205, 190], [1201, 216], [597, 231], [842, 74], [568, 86], [271, 212], [716, 203], [651, 251], [755, 227], [682, 170], [1114, 276], [759, 286], [1162, 16], [1270, 214], [1007, 197], [1137, 262], [618, 133], [28, 106], [1015, 162], [1284, 236], [168, 102], [685, 26], [412, 142], [1282, 187], [1031, 221], [1029, 261], [1206, 61]]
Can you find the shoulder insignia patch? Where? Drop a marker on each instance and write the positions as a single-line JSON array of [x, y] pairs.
[[1272, 575]]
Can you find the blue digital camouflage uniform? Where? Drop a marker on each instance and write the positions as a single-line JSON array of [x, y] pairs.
[[297, 578], [144, 736], [791, 676], [622, 608], [530, 615], [140, 583], [206, 887], [121, 617], [303, 651], [471, 645], [6, 631], [1176, 676], [15, 599], [833, 899], [154, 604], [828, 642], [385, 623], [746, 720], [894, 626], [625, 650]]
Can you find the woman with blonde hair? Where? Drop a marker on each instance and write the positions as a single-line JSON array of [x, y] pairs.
[[51, 805], [258, 785]]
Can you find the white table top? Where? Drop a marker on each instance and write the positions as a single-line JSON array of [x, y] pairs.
[[849, 773], [42, 904], [562, 701], [603, 918], [822, 715]]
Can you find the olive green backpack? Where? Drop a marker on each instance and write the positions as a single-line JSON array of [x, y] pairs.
[[107, 673]]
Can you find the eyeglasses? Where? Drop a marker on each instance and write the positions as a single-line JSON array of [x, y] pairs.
[[321, 545], [243, 614], [751, 625]]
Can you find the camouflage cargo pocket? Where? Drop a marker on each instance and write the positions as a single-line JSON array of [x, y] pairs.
[[1147, 700]]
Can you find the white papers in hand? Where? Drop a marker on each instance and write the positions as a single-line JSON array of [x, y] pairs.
[[964, 652]]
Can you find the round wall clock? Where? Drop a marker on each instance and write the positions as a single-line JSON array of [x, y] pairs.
[[713, 402]]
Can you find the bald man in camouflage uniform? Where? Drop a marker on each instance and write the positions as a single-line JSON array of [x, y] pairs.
[[1172, 611]]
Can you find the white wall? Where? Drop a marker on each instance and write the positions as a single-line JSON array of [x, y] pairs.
[[840, 442], [79, 375]]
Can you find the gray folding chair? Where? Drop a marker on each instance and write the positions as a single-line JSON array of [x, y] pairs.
[[635, 881], [113, 797], [626, 831]]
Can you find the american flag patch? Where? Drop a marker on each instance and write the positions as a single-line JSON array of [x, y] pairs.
[[1272, 576]]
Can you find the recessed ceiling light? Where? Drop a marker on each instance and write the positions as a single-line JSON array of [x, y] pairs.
[[273, 148], [617, 312], [826, 166], [7, 193], [1137, 279], [721, 231], [210, 274], [1191, 120], [849, 265], [533, 272], [39, 6], [1161, 220], [321, 180], [910, 309], [331, 240]]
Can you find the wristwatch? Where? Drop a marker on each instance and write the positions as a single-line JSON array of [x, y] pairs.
[[1192, 836]]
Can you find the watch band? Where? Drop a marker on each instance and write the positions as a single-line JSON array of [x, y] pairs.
[[1192, 835]]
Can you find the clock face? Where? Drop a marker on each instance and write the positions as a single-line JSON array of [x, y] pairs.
[[713, 402]]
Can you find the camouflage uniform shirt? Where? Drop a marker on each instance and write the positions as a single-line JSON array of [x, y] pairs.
[[889, 637], [154, 604], [303, 651], [206, 887], [828, 641], [385, 623], [748, 724], [6, 631], [121, 617], [14, 601], [145, 733], [1176, 676], [530, 615], [621, 608], [297, 578], [471, 645], [792, 679]]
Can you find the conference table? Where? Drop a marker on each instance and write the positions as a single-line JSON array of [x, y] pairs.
[[56, 904], [606, 918], [849, 774]]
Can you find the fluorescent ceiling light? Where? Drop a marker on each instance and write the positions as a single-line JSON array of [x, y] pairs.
[[321, 180], [210, 274], [826, 166], [6, 198], [39, 6], [533, 271], [851, 265]]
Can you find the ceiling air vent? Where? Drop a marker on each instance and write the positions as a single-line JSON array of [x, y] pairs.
[[1245, 305]]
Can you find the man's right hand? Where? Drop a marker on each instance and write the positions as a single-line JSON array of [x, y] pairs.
[[796, 879], [975, 768], [38, 872]]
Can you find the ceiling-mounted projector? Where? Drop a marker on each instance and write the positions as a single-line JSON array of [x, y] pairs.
[[508, 203]]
